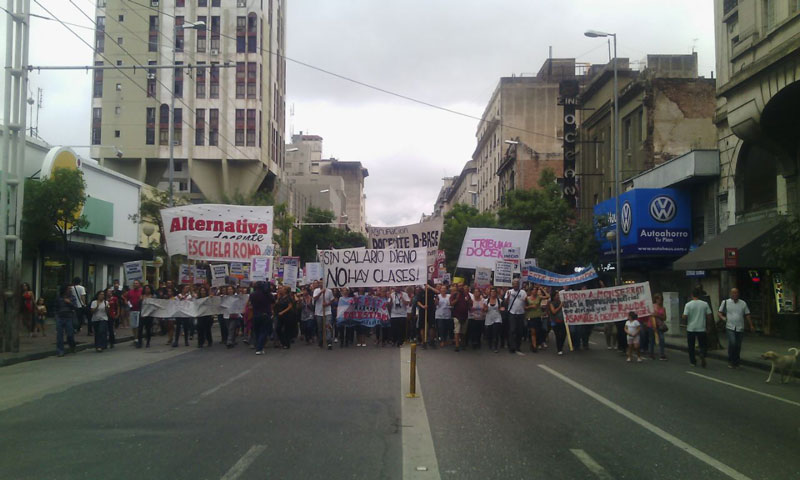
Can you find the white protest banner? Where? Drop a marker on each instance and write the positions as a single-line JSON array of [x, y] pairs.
[[483, 277], [185, 275], [290, 275], [602, 305], [355, 267], [503, 274], [260, 269], [313, 271], [133, 271], [218, 274], [419, 235], [200, 275], [212, 221], [527, 265], [282, 261], [512, 254], [482, 247], [223, 249], [198, 307]]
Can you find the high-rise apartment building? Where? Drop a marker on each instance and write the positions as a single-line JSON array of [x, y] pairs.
[[228, 84]]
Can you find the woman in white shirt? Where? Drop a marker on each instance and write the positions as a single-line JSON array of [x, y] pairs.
[[99, 308], [444, 316], [494, 320], [476, 318]]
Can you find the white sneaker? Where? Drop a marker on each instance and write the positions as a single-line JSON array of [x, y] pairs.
[[260, 352], [561, 353]]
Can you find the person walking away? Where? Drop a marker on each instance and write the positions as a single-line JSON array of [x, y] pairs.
[[145, 323], [41, 315], [697, 313], [659, 322], [261, 301], [65, 319], [26, 309], [461, 303], [733, 311], [135, 301], [475, 319], [284, 308], [494, 319], [515, 299], [399, 302], [78, 293], [99, 308], [557, 321], [633, 329]]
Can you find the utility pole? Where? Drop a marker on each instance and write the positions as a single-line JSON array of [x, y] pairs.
[[12, 179]]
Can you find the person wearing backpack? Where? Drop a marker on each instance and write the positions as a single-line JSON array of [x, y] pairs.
[[733, 311]]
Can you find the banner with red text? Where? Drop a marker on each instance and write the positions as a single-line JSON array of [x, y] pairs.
[[483, 247], [219, 222], [222, 249], [603, 305]]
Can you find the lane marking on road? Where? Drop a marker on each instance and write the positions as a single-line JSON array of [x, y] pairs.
[[419, 456], [703, 457], [593, 466], [248, 458], [221, 385], [774, 397]]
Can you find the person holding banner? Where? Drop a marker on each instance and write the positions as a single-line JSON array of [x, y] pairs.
[[322, 313], [557, 321], [398, 305], [515, 299], [494, 319], [184, 322]]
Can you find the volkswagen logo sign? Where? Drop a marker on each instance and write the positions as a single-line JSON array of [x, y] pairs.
[[627, 218], [663, 208]]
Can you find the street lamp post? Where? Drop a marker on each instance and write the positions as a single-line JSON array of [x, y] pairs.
[[596, 34], [171, 167]]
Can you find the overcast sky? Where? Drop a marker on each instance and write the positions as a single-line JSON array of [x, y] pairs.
[[446, 52]]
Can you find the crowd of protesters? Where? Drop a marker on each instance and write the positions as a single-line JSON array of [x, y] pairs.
[[518, 318]]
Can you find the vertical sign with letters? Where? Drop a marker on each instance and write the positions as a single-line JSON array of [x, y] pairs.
[[568, 97]]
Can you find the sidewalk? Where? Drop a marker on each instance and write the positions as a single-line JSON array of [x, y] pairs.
[[753, 345], [38, 347]]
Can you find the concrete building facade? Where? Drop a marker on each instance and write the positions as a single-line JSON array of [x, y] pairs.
[[353, 175], [229, 120]]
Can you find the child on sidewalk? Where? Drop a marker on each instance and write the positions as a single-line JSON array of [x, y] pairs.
[[632, 329], [41, 313]]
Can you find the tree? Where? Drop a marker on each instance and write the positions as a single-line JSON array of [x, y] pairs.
[[309, 238], [784, 252], [52, 210], [558, 240], [456, 222]]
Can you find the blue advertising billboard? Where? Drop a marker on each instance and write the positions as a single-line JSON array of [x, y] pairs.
[[653, 221]]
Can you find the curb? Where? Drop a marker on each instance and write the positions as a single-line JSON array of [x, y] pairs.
[[51, 353], [722, 356]]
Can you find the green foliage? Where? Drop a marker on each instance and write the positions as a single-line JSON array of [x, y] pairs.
[[51, 208], [308, 238], [784, 252], [150, 208], [456, 222]]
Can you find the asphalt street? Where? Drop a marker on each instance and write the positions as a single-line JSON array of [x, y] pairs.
[[188, 413]]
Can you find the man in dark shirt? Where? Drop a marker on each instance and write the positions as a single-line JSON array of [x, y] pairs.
[[261, 301]]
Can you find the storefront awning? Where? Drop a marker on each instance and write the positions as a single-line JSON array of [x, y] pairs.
[[749, 238]]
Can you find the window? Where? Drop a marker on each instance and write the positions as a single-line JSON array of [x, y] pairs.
[[214, 81], [794, 6], [150, 126], [178, 165], [101, 24], [215, 32], [119, 40], [179, 33], [202, 3], [177, 133], [239, 139], [241, 25], [180, 3], [768, 13], [252, 79], [97, 120], [200, 126], [259, 130], [201, 35], [213, 127], [252, 34], [119, 87], [98, 81], [640, 126], [101, 3], [215, 3], [163, 124], [240, 76], [182, 186], [117, 110], [121, 18], [151, 79], [100, 35], [200, 81], [251, 127], [119, 63], [178, 84], [626, 134], [152, 36], [116, 133]]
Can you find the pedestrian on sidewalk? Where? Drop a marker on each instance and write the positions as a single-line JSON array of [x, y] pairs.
[[113, 311], [733, 311], [82, 313], [697, 313], [659, 321], [65, 318], [26, 309], [99, 308], [41, 315]]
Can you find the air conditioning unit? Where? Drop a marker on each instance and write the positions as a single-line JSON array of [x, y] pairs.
[[151, 76], [214, 52]]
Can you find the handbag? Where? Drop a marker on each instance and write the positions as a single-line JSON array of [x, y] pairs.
[[720, 322]]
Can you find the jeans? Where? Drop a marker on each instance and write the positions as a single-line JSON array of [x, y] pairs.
[[493, 334], [660, 343], [204, 330], [232, 325], [101, 334], [734, 346], [443, 326], [185, 323], [64, 324], [145, 326], [324, 321], [560, 331], [474, 332], [223, 329], [516, 327], [263, 329], [702, 339]]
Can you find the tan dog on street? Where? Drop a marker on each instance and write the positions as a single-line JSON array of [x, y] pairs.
[[783, 363]]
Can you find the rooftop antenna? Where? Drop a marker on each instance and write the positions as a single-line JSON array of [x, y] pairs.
[[694, 44]]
